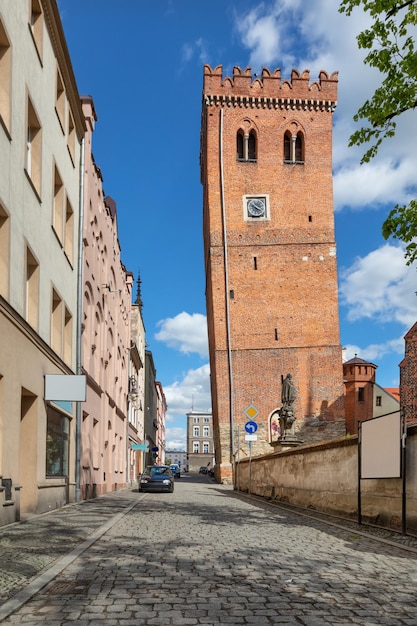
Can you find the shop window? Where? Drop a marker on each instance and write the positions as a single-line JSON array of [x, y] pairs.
[[56, 443]]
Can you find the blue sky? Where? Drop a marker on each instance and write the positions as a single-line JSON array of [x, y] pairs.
[[142, 62]]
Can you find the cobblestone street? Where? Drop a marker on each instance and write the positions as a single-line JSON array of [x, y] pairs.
[[203, 555]]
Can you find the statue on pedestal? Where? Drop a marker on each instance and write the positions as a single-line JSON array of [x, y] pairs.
[[287, 416]]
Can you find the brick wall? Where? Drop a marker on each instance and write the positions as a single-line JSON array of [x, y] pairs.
[[408, 375]]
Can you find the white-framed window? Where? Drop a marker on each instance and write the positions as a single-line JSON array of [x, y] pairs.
[[206, 431], [206, 447], [196, 447], [196, 431], [206, 420]]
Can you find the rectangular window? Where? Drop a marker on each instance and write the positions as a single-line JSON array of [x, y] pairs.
[[196, 447], [60, 100], [196, 431], [68, 337], [33, 148], [71, 136], [206, 431], [56, 443], [36, 25], [361, 394], [379, 401], [56, 323], [206, 447], [206, 420], [69, 232], [32, 289], [5, 78], [58, 214], [4, 252]]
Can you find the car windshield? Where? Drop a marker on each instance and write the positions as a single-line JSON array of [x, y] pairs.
[[157, 470]]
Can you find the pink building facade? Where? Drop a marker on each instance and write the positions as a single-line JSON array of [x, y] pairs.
[[105, 334]]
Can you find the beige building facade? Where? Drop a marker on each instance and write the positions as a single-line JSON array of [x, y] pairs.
[[41, 130], [200, 440], [136, 398]]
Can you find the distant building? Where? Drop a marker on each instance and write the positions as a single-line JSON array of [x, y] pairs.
[[177, 456], [200, 440], [385, 400], [364, 398]]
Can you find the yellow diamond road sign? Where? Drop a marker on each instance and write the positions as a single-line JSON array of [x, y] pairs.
[[251, 412]]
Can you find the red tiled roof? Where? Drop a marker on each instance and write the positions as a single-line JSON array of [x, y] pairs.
[[394, 391]]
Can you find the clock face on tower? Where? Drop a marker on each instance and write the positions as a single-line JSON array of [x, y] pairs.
[[256, 207]]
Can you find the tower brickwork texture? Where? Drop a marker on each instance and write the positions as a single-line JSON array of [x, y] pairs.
[[270, 256]]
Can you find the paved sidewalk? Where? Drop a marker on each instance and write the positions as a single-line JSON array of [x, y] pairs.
[[203, 555]]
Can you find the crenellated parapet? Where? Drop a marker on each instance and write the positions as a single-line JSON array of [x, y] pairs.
[[269, 90]]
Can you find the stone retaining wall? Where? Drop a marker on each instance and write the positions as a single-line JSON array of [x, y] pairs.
[[324, 476]]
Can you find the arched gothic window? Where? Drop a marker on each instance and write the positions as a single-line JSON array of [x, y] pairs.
[[239, 146], [246, 148], [299, 148], [293, 147], [287, 146]]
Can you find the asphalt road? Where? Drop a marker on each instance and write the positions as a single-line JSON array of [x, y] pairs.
[[202, 555]]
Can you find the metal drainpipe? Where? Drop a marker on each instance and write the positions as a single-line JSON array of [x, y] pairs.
[[226, 281], [78, 332]]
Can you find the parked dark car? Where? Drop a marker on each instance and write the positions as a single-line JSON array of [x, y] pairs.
[[203, 469], [175, 469], [156, 478]]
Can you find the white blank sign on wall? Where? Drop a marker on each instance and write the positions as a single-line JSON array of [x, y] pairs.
[[381, 447], [65, 388]]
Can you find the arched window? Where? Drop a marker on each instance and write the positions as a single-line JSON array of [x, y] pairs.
[[299, 152], [239, 146], [252, 146], [287, 146], [246, 146], [293, 147]]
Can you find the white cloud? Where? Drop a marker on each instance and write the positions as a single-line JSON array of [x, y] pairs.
[[376, 351], [380, 286], [374, 184], [193, 391], [195, 49], [322, 38], [175, 438], [184, 332]]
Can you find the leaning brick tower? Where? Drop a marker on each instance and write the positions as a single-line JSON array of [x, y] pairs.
[[270, 255]]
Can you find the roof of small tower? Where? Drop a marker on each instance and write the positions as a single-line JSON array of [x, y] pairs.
[[358, 361]]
